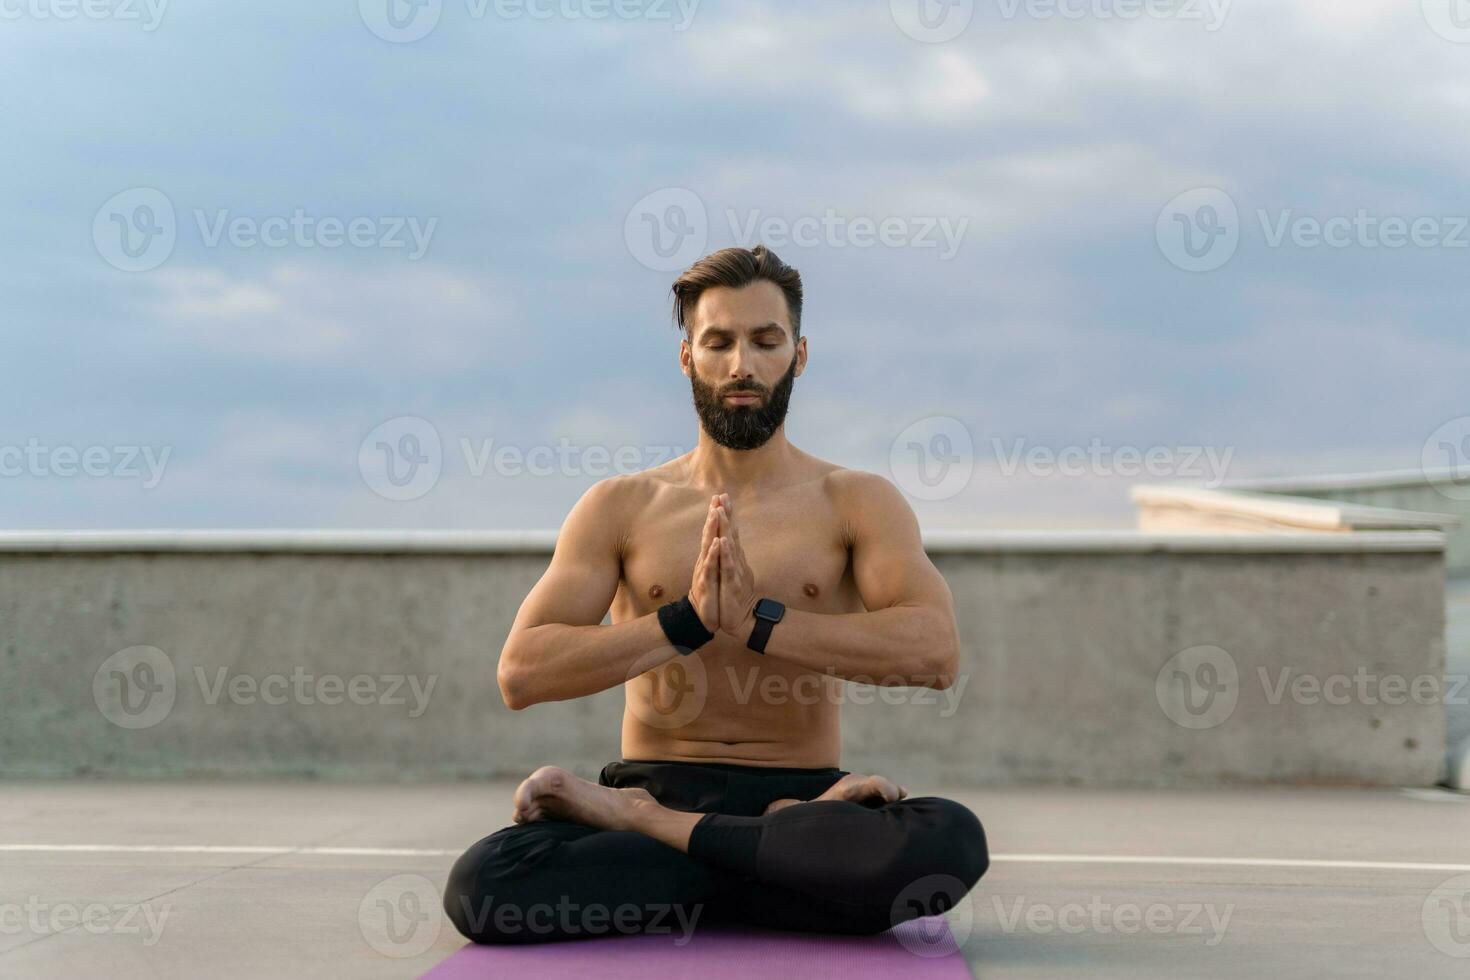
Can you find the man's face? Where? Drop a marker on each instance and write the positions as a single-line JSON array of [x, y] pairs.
[[742, 363]]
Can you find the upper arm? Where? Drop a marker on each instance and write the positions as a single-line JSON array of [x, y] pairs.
[[578, 586], [889, 563]]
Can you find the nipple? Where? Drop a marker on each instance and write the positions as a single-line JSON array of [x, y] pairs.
[[655, 590], [810, 588]]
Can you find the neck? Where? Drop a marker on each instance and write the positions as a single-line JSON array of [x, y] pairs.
[[717, 468]]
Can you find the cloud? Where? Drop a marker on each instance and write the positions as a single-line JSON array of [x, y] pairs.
[[417, 317]]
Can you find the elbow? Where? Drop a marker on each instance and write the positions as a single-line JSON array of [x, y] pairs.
[[942, 676], [514, 689]]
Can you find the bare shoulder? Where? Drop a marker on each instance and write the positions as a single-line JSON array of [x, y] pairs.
[[867, 501], [858, 489], [606, 511]]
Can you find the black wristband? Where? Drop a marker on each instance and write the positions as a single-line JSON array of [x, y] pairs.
[[682, 625]]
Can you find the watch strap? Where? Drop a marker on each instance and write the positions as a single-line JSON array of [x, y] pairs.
[[760, 635]]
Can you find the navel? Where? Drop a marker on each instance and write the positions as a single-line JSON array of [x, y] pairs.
[[810, 589], [655, 590]]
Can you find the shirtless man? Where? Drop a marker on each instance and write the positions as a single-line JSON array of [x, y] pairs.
[[740, 561]]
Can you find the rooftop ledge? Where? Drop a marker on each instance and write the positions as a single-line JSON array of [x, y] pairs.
[[1172, 508], [542, 541]]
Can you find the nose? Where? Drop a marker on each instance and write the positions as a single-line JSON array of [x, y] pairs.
[[742, 369]]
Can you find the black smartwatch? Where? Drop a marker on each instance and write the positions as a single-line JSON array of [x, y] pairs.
[[768, 613]]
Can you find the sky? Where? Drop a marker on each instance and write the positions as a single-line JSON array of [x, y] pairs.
[[393, 264]]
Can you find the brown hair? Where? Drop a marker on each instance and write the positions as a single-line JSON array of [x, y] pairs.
[[737, 268]]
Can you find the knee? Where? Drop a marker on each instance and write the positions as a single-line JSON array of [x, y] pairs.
[[945, 857], [465, 889], [485, 875], [953, 841], [971, 851]]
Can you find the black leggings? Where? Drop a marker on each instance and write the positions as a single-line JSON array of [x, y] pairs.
[[832, 866]]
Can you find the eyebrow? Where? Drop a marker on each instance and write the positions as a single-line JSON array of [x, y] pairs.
[[713, 331]]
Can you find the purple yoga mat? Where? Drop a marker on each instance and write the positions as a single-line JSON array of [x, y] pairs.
[[924, 949]]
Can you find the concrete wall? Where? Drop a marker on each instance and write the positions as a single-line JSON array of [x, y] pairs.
[[1074, 650]]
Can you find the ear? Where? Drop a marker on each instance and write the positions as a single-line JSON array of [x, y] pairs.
[[800, 356]]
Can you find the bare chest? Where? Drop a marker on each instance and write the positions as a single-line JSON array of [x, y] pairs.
[[793, 541]]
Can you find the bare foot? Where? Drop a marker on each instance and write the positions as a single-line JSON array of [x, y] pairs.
[[552, 793], [871, 790], [854, 788]]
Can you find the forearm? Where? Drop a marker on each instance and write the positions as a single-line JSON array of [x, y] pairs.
[[555, 662], [913, 646]]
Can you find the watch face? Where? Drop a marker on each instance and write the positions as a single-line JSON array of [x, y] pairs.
[[769, 609]]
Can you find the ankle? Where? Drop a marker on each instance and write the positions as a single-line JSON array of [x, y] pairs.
[[640, 815]]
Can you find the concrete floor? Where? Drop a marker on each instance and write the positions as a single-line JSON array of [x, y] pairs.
[[297, 873]]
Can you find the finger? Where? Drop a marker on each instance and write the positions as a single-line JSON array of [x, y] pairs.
[[712, 570], [706, 546], [709, 529], [729, 571]]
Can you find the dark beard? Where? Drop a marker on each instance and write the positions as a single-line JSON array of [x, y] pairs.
[[742, 426]]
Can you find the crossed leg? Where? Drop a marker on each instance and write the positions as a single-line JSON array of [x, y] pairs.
[[584, 859]]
